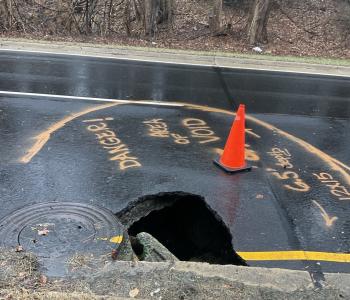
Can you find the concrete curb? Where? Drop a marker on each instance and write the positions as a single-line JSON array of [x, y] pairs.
[[163, 280], [279, 279], [191, 280], [169, 56]]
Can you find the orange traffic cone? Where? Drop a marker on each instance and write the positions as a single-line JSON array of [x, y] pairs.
[[233, 157]]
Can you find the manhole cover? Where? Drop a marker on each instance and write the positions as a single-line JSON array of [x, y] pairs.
[[62, 235]]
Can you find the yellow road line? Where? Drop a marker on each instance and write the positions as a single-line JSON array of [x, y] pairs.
[[116, 239], [296, 255]]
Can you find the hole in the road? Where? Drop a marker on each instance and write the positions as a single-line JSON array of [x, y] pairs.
[[186, 226], [136, 246]]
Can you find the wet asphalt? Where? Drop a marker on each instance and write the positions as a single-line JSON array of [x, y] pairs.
[[297, 196]]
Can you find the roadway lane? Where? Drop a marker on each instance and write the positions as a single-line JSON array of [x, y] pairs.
[[262, 91], [296, 198]]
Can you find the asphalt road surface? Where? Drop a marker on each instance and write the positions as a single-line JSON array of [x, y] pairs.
[[65, 137]]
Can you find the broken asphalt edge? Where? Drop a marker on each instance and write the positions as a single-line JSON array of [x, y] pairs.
[[161, 55]]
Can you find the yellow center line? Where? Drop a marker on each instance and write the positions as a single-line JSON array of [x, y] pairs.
[[295, 255], [116, 239]]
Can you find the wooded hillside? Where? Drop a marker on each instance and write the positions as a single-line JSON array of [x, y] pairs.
[[299, 27]]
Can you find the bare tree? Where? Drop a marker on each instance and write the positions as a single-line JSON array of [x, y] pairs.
[[257, 21], [216, 18], [156, 12], [6, 14]]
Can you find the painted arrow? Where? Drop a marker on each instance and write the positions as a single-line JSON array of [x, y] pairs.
[[329, 220]]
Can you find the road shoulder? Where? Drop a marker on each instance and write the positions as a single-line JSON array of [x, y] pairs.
[[211, 59]]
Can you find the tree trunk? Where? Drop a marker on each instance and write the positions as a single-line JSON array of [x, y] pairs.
[[127, 19], [166, 11], [138, 9], [257, 22], [6, 14], [215, 21], [155, 12]]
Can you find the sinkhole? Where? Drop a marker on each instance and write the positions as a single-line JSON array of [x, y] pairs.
[[185, 225]]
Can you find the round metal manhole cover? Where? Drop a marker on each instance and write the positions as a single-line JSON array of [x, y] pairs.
[[61, 234]]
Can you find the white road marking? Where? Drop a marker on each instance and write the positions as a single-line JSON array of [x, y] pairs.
[[120, 57], [38, 95], [174, 62]]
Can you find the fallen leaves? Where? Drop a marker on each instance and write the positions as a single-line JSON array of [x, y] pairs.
[[156, 291], [22, 275], [134, 292], [44, 231], [114, 254], [43, 279], [19, 248]]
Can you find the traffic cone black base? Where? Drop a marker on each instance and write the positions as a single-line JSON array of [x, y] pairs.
[[231, 170]]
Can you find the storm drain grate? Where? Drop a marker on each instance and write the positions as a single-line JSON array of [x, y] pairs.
[[58, 232]]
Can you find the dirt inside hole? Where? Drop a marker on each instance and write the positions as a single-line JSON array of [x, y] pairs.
[[189, 228]]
